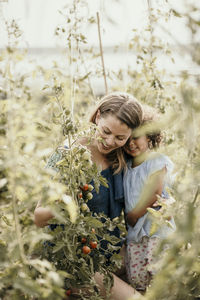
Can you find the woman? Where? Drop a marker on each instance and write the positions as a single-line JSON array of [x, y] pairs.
[[115, 116]]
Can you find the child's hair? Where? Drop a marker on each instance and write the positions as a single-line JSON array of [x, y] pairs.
[[151, 130]]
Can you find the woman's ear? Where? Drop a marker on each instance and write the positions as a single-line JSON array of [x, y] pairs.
[[97, 117]]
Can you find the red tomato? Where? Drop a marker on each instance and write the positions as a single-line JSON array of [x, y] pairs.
[[85, 187], [80, 195], [93, 244], [86, 250], [83, 240], [68, 292]]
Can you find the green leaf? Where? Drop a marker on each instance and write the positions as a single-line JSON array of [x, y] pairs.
[[93, 222]]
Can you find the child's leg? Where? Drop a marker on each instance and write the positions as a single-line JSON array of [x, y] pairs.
[[138, 258], [136, 263], [151, 259]]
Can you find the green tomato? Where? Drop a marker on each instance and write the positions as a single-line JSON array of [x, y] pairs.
[[90, 187], [89, 196], [84, 207]]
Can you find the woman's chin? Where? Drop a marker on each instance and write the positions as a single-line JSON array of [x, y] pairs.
[[104, 150]]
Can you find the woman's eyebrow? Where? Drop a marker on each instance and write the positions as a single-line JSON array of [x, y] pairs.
[[121, 135], [107, 128]]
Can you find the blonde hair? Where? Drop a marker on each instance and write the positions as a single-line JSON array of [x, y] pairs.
[[128, 110]]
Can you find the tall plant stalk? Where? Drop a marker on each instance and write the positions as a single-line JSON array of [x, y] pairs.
[[101, 53]]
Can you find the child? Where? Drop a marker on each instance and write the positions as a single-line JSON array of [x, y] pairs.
[[146, 177]]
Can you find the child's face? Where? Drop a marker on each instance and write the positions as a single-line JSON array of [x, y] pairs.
[[137, 146]]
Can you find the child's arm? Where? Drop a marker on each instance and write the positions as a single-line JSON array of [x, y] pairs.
[[153, 187], [42, 215]]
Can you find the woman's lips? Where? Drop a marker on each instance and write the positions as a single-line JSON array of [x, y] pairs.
[[106, 148]]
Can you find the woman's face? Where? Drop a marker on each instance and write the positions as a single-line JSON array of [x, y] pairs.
[[111, 133]]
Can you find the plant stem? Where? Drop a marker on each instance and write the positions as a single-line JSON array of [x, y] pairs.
[[196, 195], [17, 229], [101, 52]]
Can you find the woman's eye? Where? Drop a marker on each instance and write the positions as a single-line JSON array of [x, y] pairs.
[[106, 132], [120, 138]]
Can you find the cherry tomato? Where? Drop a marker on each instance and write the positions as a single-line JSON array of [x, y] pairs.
[[84, 207], [85, 187], [86, 250], [93, 244], [80, 195], [90, 187], [83, 240], [68, 292]]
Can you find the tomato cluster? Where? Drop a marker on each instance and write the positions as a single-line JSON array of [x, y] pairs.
[[87, 249], [86, 192]]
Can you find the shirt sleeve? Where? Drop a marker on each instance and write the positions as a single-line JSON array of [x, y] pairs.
[[54, 158], [158, 163]]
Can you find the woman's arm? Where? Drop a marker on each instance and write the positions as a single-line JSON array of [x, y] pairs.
[[42, 215], [153, 187]]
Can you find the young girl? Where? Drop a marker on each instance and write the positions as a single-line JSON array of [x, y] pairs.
[[146, 177]]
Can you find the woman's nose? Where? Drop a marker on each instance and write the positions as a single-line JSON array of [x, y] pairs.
[[110, 141]]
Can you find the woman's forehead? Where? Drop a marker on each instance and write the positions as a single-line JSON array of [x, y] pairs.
[[114, 124]]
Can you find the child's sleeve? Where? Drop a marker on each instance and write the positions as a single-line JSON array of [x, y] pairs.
[[158, 163]]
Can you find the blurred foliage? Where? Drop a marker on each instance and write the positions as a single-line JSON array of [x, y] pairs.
[[178, 273], [31, 129]]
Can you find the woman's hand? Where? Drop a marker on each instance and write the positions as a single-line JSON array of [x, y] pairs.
[[42, 215]]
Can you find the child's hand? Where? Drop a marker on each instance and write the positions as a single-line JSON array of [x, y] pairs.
[[163, 201]]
